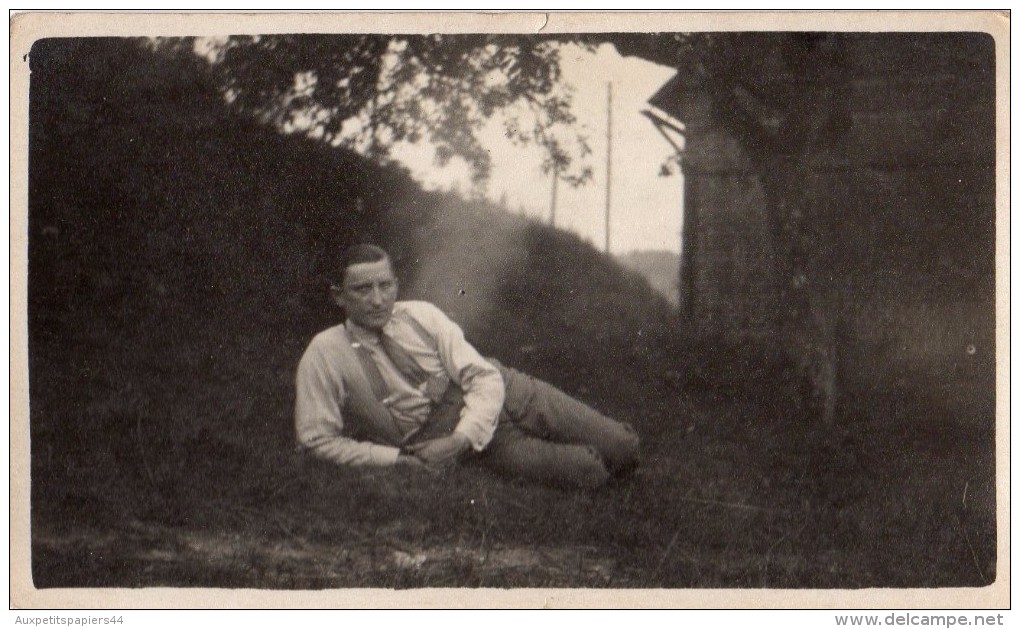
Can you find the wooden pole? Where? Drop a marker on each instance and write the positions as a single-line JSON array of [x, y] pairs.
[[552, 205]]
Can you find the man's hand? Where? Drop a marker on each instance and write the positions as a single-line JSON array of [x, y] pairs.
[[412, 462], [441, 450]]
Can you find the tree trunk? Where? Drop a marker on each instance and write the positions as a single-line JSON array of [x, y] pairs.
[[809, 305]]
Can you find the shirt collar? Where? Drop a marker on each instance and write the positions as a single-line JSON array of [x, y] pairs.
[[364, 334]]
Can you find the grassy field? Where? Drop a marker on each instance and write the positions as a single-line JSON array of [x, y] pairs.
[[175, 252], [725, 497]]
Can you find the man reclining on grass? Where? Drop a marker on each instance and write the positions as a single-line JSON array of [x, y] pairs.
[[398, 384]]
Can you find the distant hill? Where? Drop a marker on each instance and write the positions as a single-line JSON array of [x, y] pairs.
[[660, 268]]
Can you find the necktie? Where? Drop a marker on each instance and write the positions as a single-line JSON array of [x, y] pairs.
[[403, 360]]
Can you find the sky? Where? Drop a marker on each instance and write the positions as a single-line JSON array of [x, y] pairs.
[[645, 208]]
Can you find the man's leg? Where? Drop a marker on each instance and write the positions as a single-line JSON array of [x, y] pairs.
[[514, 453], [541, 410], [517, 454]]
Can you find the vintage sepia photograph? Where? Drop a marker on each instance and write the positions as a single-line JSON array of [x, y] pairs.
[[609, 303]]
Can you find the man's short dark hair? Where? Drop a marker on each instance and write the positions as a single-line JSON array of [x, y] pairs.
[[356, 254]]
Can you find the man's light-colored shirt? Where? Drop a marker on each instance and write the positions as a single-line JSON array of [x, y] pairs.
[[321, 398]]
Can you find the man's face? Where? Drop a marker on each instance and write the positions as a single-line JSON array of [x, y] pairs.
[[368, 293]]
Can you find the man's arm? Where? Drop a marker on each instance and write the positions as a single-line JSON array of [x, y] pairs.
[[318, 420], [481, 382]]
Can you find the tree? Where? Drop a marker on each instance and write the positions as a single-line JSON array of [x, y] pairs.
[[372, 92], [783, 95]]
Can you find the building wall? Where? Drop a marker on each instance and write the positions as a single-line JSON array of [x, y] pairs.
[[731, 274]]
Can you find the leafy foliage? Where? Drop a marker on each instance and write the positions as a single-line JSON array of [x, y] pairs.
[[371, 92]]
